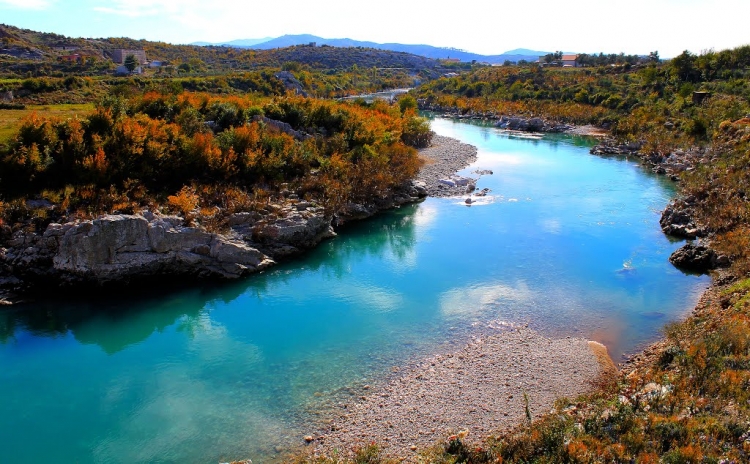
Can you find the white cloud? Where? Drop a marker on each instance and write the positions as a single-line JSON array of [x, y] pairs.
[[27, 4], [170, 9], [131, 13]]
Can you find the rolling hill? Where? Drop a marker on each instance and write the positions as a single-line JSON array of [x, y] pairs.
[[25, 51]]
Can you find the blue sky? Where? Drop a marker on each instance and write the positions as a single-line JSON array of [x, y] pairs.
[[482, 26]]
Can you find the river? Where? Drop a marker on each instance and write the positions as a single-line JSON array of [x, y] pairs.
[[567, 242]]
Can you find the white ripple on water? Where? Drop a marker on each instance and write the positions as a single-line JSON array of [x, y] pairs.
[[552, 226]]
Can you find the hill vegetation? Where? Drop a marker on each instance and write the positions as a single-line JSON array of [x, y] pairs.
[[25, 51], [36, 68], [651, 102]]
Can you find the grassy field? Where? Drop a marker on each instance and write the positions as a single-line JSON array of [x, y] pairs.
[[10, 119]]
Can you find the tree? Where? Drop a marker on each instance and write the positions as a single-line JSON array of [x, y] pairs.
[[131, 62], [683, 67], [407, 102], [654, 57]]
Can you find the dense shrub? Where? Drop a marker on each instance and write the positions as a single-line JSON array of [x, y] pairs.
[[336, 152]]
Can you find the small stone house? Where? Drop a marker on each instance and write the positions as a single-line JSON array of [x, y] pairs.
[[119, 55]]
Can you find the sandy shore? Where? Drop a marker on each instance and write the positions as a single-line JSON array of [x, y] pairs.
[[479, 388]]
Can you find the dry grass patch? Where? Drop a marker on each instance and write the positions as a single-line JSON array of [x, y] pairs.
[[10, 120]]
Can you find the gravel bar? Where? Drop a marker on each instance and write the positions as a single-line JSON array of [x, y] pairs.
[[443, 158], [477, 389]]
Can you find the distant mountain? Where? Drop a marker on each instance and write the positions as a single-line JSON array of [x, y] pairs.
[[525, 51], [428, 51], [241, 43]]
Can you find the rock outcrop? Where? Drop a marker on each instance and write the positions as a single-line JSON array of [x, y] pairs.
[[282, 127], [698, 257], [671, 164], [291, 82], [118, 249], [121, 248], [25, 53], [613, 147], [677, 220]]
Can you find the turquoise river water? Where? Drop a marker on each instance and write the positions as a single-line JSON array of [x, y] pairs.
[[568, 243]]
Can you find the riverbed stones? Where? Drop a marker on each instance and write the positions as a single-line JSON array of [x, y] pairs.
[[471, 392], [443, 159]]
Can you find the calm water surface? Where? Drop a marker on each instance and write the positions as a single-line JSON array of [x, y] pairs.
[[567, 242]]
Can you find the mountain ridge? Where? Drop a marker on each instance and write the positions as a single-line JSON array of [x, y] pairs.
[[429, 51]]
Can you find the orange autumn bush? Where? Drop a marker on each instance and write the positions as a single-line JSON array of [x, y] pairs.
[[338, 152]]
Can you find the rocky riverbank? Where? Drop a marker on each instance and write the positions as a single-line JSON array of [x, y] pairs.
[[475, 392], [677, 219], [514, 122], [114, 250], [670, 164]]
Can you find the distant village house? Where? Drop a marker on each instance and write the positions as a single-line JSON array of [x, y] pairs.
[[570, 61], [119, 55]]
